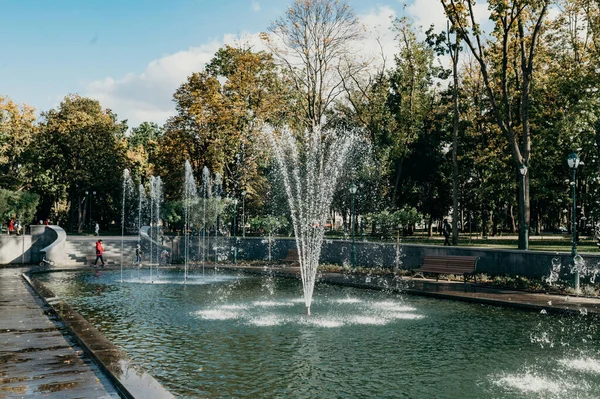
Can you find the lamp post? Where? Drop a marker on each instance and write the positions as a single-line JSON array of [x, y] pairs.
[[87, 199], [244, 214], [91, 200], [235, 202], [353, 188], [573, 162], [524, 236]]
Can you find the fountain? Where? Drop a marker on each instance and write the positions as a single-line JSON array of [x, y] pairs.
[[206, 186], [190, 196], [155, 203], [310, 166], [127, 193]]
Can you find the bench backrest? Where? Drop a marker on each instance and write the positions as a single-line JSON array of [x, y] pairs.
[[292, 255], [450, 264]]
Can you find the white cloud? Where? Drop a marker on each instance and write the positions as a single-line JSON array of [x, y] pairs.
[[146, 96]]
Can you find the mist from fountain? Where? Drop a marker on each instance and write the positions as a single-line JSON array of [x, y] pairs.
[[217, 190], [127, 193], [155, 205], [190, 199], [310, 165], [206, 186]]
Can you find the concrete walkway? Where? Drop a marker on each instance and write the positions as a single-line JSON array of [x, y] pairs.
[[36, 359]]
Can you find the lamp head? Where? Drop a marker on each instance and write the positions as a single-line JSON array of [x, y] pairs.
[[353, 188], [573, 160], [523, 170]]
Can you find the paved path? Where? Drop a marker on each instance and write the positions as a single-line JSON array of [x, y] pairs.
[[36, 360]]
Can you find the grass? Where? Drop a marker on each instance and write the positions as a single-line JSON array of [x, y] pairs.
[[548, 242]]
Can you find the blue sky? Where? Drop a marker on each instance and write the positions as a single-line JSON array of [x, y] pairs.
[[132, 54]]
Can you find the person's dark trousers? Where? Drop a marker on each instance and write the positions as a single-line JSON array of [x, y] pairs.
[[101, 259], [446, 240]]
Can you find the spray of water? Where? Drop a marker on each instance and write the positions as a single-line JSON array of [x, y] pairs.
[[155, 203], [127, 193], [310, 165], [206, 185], [190, 198]]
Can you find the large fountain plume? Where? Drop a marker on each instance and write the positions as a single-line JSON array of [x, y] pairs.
[[310, 165]]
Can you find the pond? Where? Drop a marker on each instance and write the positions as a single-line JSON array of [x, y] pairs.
[[245, 336]]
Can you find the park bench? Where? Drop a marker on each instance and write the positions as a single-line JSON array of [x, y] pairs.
[[447, 264], [292, 256]]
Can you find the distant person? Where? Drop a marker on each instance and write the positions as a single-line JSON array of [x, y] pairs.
[[138, 254], [11, 227], [47, 222], [18, 227], [41, 222], [165, 257], [97, 229], [99, 252], [447, 230]]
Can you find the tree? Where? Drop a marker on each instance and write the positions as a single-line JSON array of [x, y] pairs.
[[17, 129], [507, 66], [313, 43], [80, 147], [142, 148], [220, 112]]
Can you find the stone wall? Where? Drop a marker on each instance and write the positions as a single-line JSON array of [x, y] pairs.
[[533, 264]]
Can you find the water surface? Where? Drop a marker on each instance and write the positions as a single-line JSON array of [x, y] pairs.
[[244, 336]]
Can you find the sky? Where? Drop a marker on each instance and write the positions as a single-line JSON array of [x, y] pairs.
[[132, 55]]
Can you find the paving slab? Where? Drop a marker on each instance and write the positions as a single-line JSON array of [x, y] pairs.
[[36, 358]]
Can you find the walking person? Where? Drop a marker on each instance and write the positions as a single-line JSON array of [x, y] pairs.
[[11, 227], [138, 255], [99, 252], [97, 229], [447, 230]]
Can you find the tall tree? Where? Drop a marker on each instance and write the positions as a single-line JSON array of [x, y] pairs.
[[17, 129], [313, 42], [80, 147], [507, 65], [220, 112]]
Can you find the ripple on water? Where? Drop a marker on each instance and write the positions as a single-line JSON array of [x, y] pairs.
[[393, 306], [266, 321], [368, 320], [217, 314], [322, 322], [583, 364], [271, 304], [347, 300], [533, 383]]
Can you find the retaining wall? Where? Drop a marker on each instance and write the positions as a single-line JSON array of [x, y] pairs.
[[533, 264]]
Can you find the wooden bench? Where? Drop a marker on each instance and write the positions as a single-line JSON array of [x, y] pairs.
[[447, 264], [292, 256]]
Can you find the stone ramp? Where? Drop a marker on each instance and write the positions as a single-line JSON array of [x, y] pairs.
[[36, 359]]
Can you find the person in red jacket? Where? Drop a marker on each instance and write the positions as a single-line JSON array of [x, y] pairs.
[[11, 227], [99, 252]]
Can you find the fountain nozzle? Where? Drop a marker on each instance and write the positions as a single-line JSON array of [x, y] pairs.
[[308, 310]]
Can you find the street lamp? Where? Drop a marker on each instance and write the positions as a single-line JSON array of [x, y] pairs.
[[244, 214], [353, 188], [573, 162], [92, 200], [87, 199], [524, 236], [235, 202]]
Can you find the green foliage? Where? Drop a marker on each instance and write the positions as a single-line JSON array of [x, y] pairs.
[[269, 224], [387, 224], [19, 205]]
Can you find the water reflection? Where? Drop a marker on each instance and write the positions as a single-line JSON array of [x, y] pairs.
[[236, 336]]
